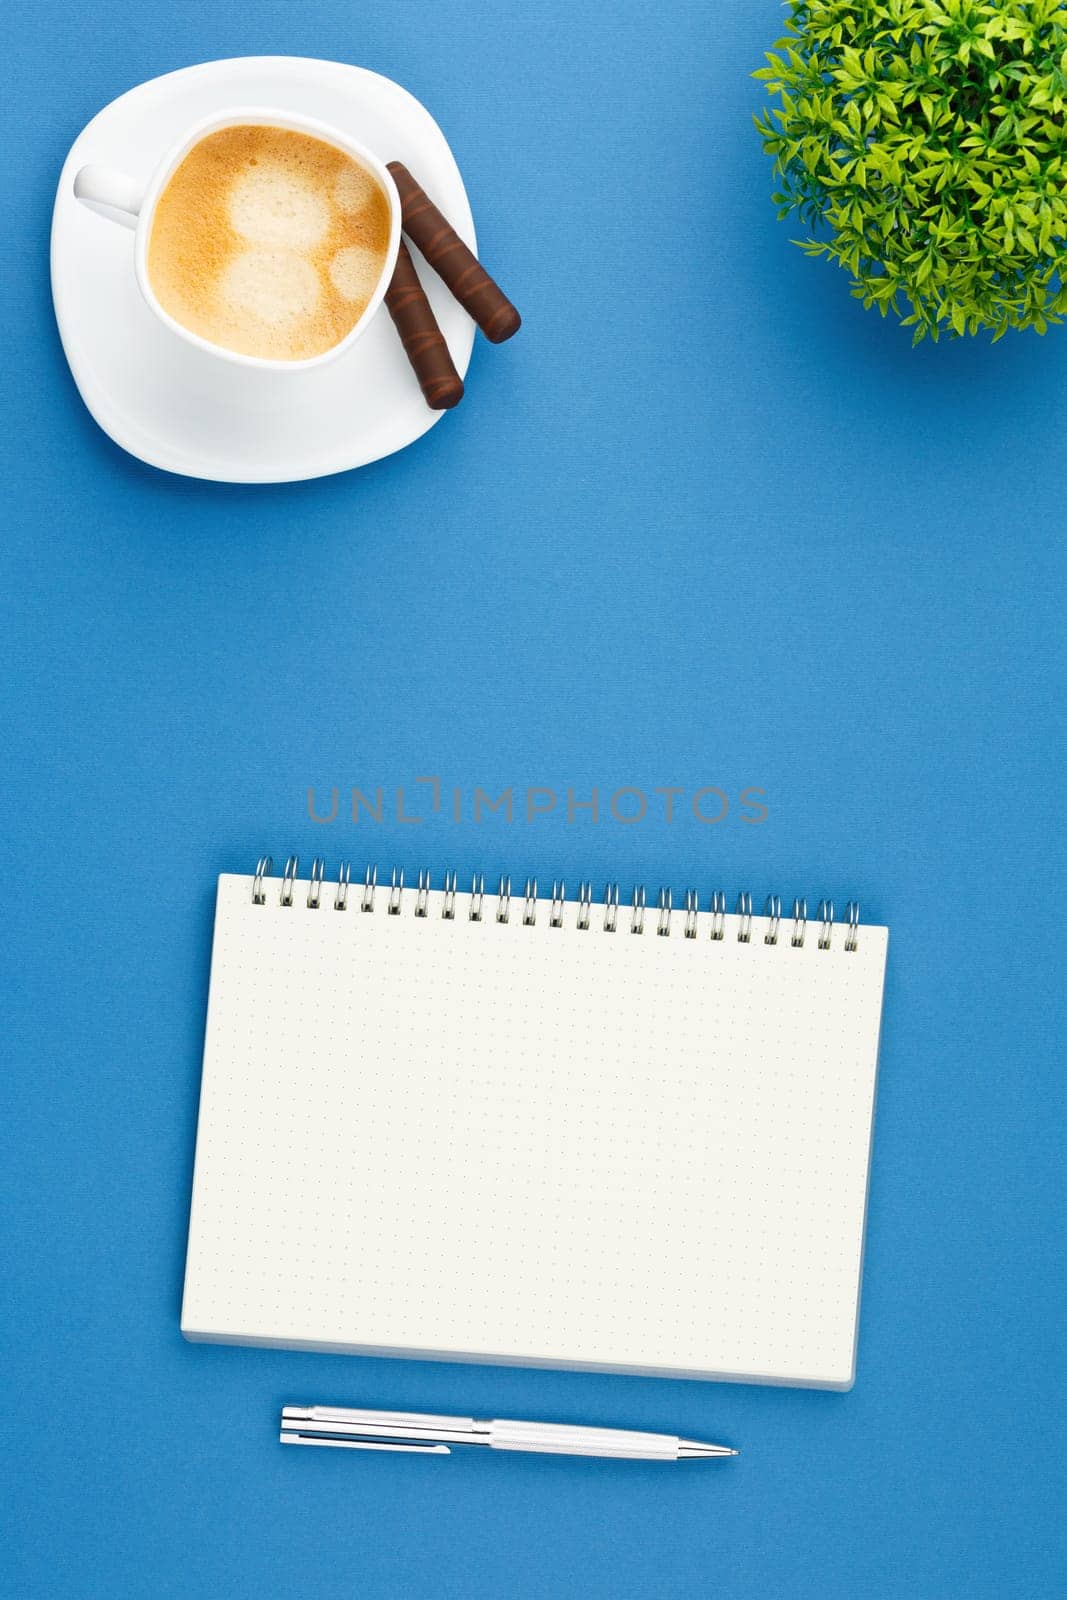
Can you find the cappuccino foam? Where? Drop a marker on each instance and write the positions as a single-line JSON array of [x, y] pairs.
[[268, 242]]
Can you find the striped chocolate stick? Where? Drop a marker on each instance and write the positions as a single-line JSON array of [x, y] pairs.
[[450, 258], [423, 341]]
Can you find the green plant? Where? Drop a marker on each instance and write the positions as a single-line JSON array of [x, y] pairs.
[[929, 138]]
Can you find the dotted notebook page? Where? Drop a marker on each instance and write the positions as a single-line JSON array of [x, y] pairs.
[[555, 1145]]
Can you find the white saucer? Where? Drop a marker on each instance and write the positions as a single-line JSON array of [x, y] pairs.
[[174, 406]]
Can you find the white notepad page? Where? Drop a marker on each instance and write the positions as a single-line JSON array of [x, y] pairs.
[[548, 1145]]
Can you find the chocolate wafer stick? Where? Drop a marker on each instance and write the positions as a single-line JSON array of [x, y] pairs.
[[450, 258], [422, 339]]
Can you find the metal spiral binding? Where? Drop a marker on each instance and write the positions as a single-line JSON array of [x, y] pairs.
[[557, 909], [264, 868], [852, 915], [289, 878], [448, 904]]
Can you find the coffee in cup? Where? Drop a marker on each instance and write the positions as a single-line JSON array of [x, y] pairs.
[[268, 242]]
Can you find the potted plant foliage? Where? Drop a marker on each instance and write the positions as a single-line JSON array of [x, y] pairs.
[[924, 144]]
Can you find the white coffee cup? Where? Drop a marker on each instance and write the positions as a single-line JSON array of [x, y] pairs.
[[133, 204]]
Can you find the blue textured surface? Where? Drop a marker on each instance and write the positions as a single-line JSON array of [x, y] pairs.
[[705, 522]]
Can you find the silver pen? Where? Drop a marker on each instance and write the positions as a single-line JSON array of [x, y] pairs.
[[342, 1428]]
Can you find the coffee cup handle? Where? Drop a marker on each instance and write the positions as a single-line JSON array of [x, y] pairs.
[[118, 195]]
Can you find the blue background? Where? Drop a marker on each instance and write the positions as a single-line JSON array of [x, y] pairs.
[[704, 521]]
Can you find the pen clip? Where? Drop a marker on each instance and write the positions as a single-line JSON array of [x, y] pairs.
[[287, 1437]]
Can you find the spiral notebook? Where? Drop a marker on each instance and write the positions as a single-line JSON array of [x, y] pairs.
[[535, 1130]]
